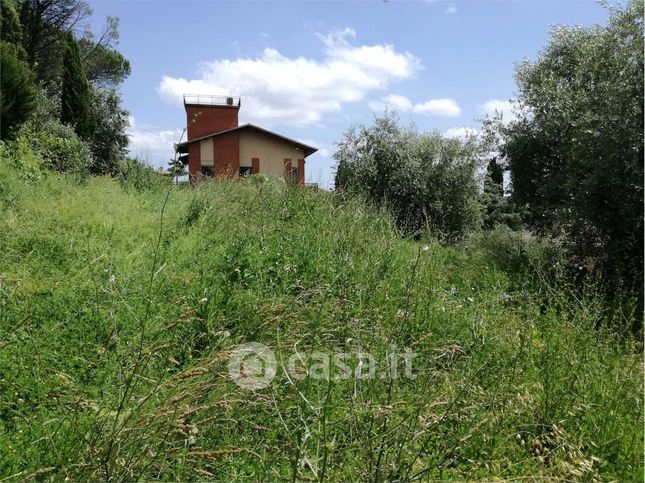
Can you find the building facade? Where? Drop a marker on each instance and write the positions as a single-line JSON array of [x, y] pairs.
[[217, 146]]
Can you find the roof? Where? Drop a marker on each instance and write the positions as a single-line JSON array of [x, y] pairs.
[[306, 148]]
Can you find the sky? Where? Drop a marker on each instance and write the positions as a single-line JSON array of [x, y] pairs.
[[310, 70]]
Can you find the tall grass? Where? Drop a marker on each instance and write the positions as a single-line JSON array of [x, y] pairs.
[[119, 309]]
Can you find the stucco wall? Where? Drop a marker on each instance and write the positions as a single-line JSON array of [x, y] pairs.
[[270, 151]]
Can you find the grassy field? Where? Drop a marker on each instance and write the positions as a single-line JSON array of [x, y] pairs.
[[121, 303]]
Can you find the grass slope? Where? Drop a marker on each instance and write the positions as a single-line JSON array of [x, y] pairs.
[[117, 322]]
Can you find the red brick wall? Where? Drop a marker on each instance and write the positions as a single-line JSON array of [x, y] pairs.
[[227, 154], [203, 120], [255, 165], [194, 161], [301, 172]]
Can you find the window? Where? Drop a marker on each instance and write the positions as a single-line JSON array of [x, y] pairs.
[[294, 175], [245, 171], [207, 171]]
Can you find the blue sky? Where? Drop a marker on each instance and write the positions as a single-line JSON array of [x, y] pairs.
[[309, 70]]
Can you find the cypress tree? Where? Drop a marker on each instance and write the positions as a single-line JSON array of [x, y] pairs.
[[497, 209], [17, 86], [494, 181], [75, 95], [10, 28], [17, 90]]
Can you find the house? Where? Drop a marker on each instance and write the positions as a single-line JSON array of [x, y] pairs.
[[217, 146]]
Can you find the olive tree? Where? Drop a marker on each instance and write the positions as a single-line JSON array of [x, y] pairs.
[[426, 180], [575, 152]]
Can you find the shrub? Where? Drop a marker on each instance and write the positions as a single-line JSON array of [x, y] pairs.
[[59, 146], [19, 156], [519, 252], [139, 176]]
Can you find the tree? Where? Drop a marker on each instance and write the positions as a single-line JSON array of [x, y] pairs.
[[427, 181], [103, 65], [497, 209], [10, 28], [176, 168], [108, 140], [17, 90], [45, 23], [576, 152], [75, 93]]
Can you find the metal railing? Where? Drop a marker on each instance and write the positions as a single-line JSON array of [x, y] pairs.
[[208, 100]]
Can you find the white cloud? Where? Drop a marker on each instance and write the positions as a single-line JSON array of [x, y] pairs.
[[298, 90], [460, 132], [497, 106], [153, 146], [391, 101], [433, 107], [438, 107], [451, 10]]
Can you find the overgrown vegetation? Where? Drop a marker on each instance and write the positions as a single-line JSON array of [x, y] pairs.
[[120, 304], [573, 150], [122, 297], [575, 153], [54, 70]]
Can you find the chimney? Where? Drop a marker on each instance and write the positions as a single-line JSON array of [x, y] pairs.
[[210, 114]]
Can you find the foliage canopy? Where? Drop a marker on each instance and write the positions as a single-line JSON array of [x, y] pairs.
[[427, 181], [575, 152], [17, 90]]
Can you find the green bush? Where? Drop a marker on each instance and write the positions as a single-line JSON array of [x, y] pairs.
[[138, 176], [519, 252], [19, 155], [59, 146]]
